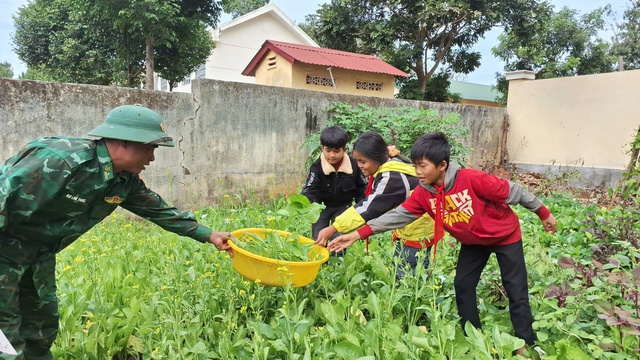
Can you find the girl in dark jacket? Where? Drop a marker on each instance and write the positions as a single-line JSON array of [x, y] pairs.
[[391, 181]]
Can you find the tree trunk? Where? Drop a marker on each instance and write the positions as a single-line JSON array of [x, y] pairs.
[[620, 63], [149, 64]]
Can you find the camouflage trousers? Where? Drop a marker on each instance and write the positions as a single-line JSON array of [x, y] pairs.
[[29, 307]]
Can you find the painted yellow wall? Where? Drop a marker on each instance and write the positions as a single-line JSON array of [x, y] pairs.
[[345, 79], [278, 75], [574, 121]]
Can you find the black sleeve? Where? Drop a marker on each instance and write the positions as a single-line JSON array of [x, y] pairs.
[[311, 188]]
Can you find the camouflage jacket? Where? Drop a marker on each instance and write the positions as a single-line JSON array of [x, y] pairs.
[[56, 189]]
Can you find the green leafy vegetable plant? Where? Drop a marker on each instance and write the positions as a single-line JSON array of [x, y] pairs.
[[273, 245]]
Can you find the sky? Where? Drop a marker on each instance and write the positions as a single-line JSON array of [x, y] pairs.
[[297, 9]]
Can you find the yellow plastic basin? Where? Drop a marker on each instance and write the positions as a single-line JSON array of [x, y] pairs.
[[273, 272]]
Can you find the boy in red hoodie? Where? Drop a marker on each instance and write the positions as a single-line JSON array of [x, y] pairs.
[[473, 207]]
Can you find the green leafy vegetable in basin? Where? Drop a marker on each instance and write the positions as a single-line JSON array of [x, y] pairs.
[[276, 246]]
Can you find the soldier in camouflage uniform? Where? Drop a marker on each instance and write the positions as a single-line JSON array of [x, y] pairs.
[[54, 190]]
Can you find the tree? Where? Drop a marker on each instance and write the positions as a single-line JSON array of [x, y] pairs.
[[39, 73], [423, 37], [108, 41], [560, 44], [240, 7], [5, 70], [628, 45], [179, 60]]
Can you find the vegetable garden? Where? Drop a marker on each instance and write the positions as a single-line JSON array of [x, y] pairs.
[[129, 290]]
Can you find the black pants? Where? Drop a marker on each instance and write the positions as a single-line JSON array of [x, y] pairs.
[[471, 262], [327, 217]]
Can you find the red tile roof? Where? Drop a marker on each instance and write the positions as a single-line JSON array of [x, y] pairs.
[[322, 57]]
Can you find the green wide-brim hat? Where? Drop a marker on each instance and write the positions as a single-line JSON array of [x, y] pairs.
[[133, 123]]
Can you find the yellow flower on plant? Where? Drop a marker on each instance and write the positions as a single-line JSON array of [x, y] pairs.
[[243, 309], [68, 267], [226, 196], [242, 292]]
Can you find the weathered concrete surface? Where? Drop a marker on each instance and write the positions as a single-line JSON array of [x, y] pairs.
[[575, 176], [232, 138]]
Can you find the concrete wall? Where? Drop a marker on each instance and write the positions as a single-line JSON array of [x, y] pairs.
[[581, 124], [231, 138]]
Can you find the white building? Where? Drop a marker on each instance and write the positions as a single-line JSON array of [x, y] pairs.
[[237, 41]]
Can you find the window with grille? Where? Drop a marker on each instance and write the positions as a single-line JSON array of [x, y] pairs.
[[319, 80], [201, 72], [186, 80], [369, 85], [163, 85], [271, 62]]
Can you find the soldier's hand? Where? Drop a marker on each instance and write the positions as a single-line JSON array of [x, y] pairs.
[[220, 241]]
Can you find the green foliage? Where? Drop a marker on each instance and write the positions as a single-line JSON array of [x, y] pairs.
[[129, 289], [420, 37], [105, 42], [629, 189], [276, 246], [437, 89], [628, 40], [176, 61], [300, 207], [39, 73], [5, 70], [240, 7], [400, 126], [557, 44]]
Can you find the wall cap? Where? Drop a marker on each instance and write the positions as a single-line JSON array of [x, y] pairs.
[[520, 75]]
